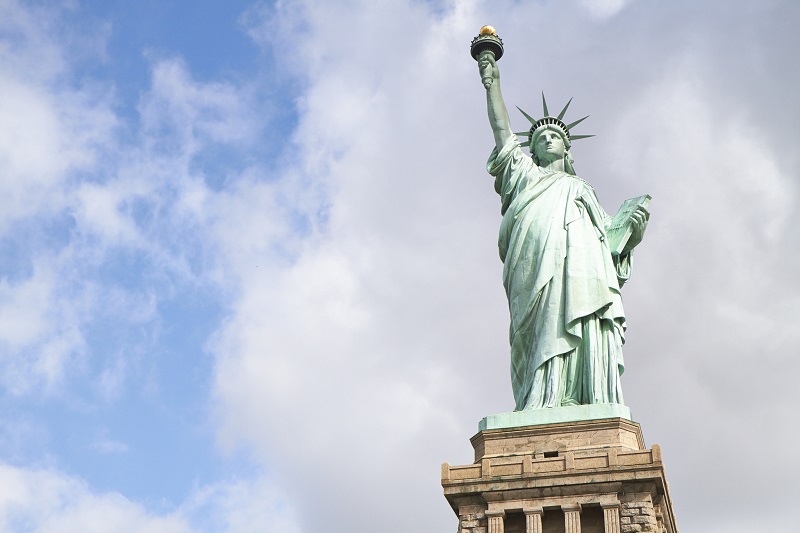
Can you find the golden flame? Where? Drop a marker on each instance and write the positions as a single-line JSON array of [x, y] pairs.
[[488, 30]]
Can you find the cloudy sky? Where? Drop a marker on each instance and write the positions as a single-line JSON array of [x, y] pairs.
[[249, 278]]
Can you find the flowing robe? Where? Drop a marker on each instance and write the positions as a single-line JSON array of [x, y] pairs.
[[562, 283]]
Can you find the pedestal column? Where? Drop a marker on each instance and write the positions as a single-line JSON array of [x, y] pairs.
[[495, 520], [611, 518], [533, 520], [572, 518]]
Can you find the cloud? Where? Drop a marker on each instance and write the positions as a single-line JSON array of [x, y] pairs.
[[603, 9], [52, 125], [364, 329], [383, 340], [53, 130], [39, 332], [722, 217], [342, 352], [106, 445], [107, 225], [40, 500], [47, 500], [189, 115], [241, 506]]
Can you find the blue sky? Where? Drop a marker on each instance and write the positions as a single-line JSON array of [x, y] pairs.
[[248, 268]]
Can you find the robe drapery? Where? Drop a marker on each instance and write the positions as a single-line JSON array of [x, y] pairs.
[[567, 322]]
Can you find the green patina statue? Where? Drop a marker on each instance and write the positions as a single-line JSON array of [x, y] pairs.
[[564, 260]]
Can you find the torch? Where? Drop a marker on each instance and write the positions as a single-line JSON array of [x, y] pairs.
[[487, 42]]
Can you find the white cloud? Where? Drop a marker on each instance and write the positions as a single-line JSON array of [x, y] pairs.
[[142, 200], [48, 132], [45, 500], [52, 125], [42, 500], [39, 331], [189, 114], [603, 9], [28, 32], [722, 217], [384, 340], [241, 507], [99, 210], [108, 446], [340, 362], [53, 129], [366, 332]]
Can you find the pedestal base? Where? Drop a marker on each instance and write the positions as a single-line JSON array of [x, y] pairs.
[[584, 437], [555, 415], [589, 476]]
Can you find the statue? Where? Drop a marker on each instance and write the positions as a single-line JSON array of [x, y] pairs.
[[564, 258]]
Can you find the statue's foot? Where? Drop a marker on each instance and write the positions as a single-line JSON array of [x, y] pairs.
[[568, 401]]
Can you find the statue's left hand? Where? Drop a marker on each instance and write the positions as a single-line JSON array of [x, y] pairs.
[[639, 219]]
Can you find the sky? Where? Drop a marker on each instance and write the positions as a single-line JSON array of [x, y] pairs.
[[249, 279]]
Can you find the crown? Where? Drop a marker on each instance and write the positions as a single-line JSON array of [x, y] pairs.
[[551, 121]]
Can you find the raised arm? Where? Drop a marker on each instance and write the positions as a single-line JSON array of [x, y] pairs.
[[498, 114]]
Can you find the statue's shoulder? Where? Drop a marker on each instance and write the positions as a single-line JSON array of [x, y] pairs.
[[511, 157], [582, 181]]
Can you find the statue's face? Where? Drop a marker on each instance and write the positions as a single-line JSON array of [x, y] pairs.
[[550, 146]]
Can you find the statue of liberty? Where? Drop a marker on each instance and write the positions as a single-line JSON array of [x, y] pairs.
[[564, 261]]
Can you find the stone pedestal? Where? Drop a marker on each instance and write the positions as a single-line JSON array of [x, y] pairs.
[[590, 476]]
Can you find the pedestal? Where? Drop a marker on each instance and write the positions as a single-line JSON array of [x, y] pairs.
[[587, 476]]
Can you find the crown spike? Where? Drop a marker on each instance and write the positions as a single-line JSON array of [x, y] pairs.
[[544, 106], [523, 133], [530, 118], [569, 126], [576, 137], [561, 115]]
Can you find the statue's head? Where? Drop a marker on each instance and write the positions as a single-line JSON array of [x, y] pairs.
[[549, 138], [551, 143]]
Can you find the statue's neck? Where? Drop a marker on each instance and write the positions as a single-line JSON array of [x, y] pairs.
[[553, 166]]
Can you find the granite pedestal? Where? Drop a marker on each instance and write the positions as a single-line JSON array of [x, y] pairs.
[[582, 476]]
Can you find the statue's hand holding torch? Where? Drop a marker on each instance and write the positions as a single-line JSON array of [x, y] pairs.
[[487, 48], [488, 68]]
